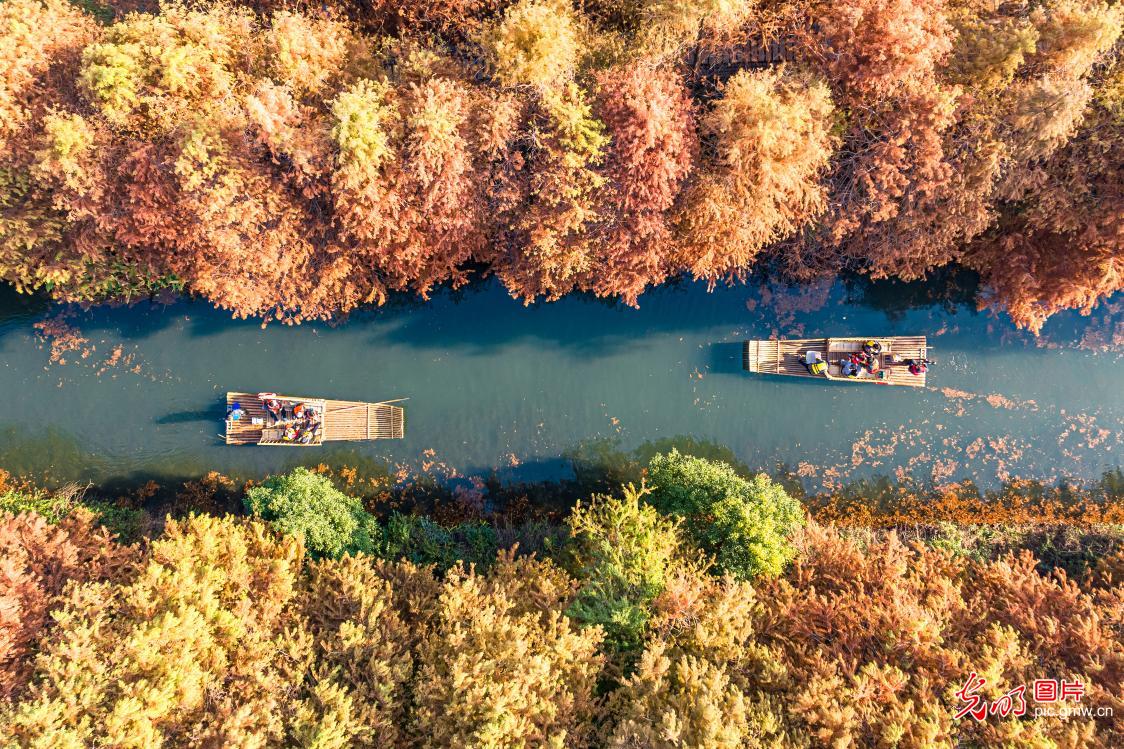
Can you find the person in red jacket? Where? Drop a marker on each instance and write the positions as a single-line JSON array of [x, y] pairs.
[[918, 366]]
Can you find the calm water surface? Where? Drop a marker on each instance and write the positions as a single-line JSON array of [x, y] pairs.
[[493, 384]]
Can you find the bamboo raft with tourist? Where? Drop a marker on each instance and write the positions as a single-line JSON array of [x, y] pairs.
[[288, 420], [890, 360]]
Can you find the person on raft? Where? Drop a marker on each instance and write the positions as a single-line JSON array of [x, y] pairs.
[[814, 364], [918, 366], [273, 408]]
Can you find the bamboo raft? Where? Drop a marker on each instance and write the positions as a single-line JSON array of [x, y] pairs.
[[340, 421], [788, 357]]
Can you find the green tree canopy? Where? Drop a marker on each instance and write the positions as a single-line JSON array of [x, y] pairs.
[[421, 540], [306, 505], [744, 524], [624, 552]]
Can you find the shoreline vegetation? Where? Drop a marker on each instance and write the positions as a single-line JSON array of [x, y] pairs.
[[1070, 523], [701, 607], [294, 161]]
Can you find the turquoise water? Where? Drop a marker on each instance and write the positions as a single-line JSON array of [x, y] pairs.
[[496, 385]]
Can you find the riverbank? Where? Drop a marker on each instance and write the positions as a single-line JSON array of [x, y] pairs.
[[1068, 523]]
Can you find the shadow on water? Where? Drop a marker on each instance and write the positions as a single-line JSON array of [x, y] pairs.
[[482, 316], [489, 320], [16, 310], [531, 471], [189, 417], [478, 319], [541, 487], [952, 290], [598, 464], [16, 307]]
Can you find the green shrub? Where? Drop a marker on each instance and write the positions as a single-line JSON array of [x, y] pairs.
[[52, 507], [127, 523], [744, 524], [307, 505], [623, 552], [422, 541]]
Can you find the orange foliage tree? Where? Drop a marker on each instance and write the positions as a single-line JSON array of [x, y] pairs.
[[771, 135], [865, 645], [293, 161], [648, 114], [38, 561]]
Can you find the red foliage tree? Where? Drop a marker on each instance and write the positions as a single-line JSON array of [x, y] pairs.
[[881, 57], [1066, 251], [439, 225], [653, 146], [771, 141]]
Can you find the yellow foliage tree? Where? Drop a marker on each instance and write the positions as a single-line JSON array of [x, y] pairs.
[[772, 143], [149, 73], [537, 42], [205, 646], [306, 54], [364, 654], [552, 253], [666, 26], [37, 561], [27, 56], [678, 701], [502, 666]]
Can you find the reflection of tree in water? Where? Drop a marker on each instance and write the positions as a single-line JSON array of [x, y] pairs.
[[22, 451], [16, 307], [1103, 330], [600, 465], [957, 289], [950, 288]]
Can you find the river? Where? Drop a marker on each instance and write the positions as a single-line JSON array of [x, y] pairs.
[[494, 385]]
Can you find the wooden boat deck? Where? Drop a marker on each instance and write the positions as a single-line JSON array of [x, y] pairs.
[[343, 420], [787, 357]]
